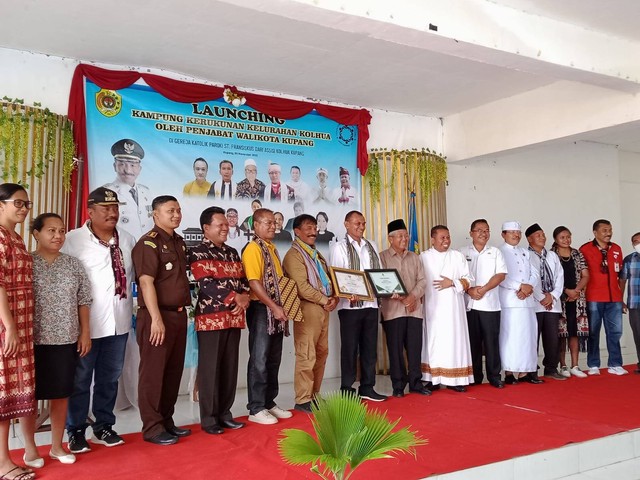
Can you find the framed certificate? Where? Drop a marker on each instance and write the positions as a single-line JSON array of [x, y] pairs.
[[351, 283], [386, 282]]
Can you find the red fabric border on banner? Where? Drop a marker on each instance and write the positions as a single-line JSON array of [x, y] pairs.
[[187, 92]]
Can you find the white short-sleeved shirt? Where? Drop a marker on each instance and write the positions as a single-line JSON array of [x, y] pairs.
[[483, 265], [110, 314]]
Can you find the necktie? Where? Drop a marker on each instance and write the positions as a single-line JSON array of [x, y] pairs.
[[134, 194]]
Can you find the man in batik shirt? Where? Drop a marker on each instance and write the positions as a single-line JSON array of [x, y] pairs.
[[223, 298]]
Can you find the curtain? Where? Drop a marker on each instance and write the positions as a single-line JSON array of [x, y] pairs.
[[400, 173], [397, 173]]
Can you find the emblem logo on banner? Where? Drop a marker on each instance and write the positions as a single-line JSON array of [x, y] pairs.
[[108, 102], [346, 134]]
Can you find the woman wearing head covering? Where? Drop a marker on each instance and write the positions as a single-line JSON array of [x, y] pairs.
[[60, 326], [17, 396]]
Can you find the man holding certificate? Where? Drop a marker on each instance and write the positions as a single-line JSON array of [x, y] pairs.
[[402, 314], [358, 319]]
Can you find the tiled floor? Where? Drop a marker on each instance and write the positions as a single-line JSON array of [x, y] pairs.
[[548, 465]]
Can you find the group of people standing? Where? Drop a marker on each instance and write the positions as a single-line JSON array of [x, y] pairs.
[[499, 302], [66, 313]]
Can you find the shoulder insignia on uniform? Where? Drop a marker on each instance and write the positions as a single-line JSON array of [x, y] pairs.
[[152, 234], [151, 244]]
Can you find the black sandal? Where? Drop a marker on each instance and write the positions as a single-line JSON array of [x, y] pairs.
[[25, 475]]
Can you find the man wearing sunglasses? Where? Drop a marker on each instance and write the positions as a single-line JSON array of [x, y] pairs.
[[604, 297]]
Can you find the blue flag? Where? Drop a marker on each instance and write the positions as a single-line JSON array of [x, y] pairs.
[[413, 225]]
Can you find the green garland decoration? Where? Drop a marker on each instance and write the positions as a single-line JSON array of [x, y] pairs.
[[425, 171], [17, 121], [372, 177]]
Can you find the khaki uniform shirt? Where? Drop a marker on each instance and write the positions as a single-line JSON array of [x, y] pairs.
[[163, 257]]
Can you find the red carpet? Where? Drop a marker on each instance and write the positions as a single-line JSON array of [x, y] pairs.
[[464, 430]]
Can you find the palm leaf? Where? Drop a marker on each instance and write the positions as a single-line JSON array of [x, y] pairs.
[[347, 436], [336, 418], [297, 447]]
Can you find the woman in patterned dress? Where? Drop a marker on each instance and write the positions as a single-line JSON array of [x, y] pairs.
[[574, 326], [60, 328], [17, 383]]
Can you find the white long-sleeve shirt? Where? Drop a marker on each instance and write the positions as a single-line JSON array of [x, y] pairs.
[[519, 271], [339, 257]]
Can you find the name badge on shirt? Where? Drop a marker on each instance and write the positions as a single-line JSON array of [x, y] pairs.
[[616, 267]]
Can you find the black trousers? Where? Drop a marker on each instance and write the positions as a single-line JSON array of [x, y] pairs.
[[217, 374], [160, 370], [484, 332], [265, 355], [358, 334], [634, 322], [548, 330], [404, 334]]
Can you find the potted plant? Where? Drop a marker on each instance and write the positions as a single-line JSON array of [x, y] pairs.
[[348, 434]]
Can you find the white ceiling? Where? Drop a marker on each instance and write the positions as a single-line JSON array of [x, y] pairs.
[[615, 17], [252, 44]]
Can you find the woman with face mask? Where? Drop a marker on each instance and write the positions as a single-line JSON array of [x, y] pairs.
[[574, 325]]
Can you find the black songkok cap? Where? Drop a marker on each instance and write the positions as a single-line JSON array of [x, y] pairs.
[[532, 229], [396, 225]]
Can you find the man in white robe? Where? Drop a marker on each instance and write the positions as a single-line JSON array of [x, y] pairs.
[[518, 324], [446, 354]]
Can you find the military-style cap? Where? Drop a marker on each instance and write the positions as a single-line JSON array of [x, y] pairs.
[[396, 225], [103, 196], [513, 225], [532, 229], [127, 149]]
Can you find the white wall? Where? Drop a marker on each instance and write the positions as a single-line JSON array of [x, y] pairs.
[[36, 78], [552, 185], [629, 199], [570, 185]]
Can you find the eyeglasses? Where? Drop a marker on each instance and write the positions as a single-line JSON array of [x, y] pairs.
[[268, 223], [477, 230], [20, 203]]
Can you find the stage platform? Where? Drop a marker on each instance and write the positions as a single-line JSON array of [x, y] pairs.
[[573, 429]]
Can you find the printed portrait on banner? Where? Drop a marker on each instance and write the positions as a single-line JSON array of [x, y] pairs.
[[143, 145]]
